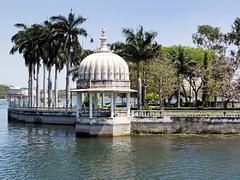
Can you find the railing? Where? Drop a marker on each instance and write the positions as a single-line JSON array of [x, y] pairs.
[[185, 113], [134, 113], [96, 113], [146, 113], [103, 113], [65, 112], [121, 113]]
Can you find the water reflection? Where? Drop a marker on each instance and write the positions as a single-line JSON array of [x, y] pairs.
[[29, 151]]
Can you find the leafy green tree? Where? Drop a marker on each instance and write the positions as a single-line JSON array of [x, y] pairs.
[[4, 91], [209, 37], [212, 39], [161, 78], [228, 84], [233, 38]]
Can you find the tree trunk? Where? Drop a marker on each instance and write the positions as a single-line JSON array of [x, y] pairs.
[[143, 94], [161, 105], [185, 93], [67, 81], [37, 86], [190, 92], [215, 101], [55, 88], [179, 95], [71, 100], [29, 88], [205, 81], [225, 103], [44, 87], [49, 87], [139, 94], [196, 96]]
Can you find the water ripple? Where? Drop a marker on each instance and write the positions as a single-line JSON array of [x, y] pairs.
[[30, 151]]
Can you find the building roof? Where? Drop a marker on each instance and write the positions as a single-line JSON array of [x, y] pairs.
[[18, 92], [103, 65]]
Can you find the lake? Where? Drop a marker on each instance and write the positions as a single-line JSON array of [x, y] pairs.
[[29, 151]]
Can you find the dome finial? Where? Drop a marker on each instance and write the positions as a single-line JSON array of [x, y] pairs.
[[103, 39]]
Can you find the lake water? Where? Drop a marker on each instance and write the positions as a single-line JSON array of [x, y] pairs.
[[30, 151]]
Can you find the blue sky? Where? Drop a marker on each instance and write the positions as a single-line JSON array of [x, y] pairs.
[[174, 20]]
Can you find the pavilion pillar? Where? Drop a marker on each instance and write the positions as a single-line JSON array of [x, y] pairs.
[[19, 101], [112, 104], [79, 104], [128, 103], [95, 101], [71, 99], [102, 97], [90, 106], [23, 101], [14, 104], [10, 101]]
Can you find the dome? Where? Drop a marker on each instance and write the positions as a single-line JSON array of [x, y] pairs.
[[103, 69], [103, 66]]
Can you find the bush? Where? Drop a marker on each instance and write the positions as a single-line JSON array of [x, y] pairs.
[[152, 97]]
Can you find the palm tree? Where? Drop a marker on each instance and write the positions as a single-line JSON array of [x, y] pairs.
[[44, 85], [58, 63], [139, 47], [68, 30], [183, 66], [51, 50], [23, 43], [37, 52]]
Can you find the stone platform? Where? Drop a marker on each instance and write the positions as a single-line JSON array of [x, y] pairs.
[[103, 126]]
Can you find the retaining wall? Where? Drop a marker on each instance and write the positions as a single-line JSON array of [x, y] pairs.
[[163, 125], [41, 118], [191, 125]]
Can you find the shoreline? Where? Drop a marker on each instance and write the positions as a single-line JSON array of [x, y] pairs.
[[135, 125]]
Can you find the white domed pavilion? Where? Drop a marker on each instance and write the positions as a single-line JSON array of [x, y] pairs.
[[103, 72]]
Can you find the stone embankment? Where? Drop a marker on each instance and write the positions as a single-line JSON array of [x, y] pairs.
[[146, 122], [42, 116], [186, 124]]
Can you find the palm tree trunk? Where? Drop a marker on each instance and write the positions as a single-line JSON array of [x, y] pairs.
[[49, 87], [190, 92], [37, 86], [44, 87], [55, 88], [67, 81], [179, 94], [139, 94], [138, 69], [29, 88]]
